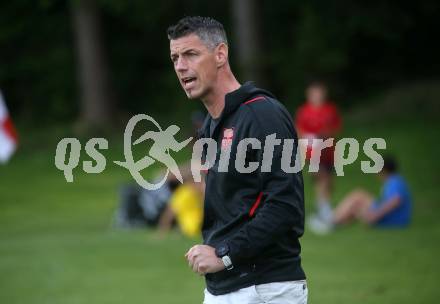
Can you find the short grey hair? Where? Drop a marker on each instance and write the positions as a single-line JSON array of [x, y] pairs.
[[210, 31]]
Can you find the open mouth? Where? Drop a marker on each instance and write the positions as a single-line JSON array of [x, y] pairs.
[[188, 81]]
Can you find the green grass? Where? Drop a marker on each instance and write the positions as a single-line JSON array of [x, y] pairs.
[[56, 244]]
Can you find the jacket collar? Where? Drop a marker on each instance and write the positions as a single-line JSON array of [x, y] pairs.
[[235, 98], [232, 101]]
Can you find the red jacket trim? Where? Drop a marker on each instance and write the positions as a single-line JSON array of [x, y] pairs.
[[256, 204], [254, 99]]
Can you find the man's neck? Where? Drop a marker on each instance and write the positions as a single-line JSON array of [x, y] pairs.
[[215, 100]]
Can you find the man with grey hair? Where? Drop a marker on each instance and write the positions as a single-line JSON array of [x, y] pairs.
[[252, 221]]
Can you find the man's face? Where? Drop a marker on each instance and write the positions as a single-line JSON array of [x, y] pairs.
[[195, 65]]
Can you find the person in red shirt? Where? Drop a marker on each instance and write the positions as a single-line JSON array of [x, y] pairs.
[[319, 118]]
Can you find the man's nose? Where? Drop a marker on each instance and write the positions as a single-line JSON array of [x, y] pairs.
[[181, 64]]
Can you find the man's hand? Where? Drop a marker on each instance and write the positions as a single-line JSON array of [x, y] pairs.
[[202, 259]]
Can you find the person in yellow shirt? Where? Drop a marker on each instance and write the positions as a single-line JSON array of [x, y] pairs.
[[186, 207]]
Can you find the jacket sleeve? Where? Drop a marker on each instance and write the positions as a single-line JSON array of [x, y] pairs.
[[281, 209]]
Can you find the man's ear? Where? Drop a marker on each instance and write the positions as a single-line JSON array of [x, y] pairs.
[[221, 54]]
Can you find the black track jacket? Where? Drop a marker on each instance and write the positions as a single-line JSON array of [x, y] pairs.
[[259, 215]]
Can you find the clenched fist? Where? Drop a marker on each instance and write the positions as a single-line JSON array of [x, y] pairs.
[[202, 259]]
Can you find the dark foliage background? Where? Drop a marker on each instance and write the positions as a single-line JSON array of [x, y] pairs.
[[362, 48]]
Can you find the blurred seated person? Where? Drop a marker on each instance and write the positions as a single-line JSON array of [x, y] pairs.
[[186, 209], [391, 210], [139, 207]]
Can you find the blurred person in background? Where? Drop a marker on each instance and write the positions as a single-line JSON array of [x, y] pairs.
[[186, 209], [392, 209], [319, 118], [139, 207]]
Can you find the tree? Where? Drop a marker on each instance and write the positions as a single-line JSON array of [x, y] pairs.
[[247, 38], [97, 105]]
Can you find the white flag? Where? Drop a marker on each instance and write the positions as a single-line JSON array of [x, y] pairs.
[[8, 136]]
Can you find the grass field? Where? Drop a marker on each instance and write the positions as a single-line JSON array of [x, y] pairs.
[[56, 244]]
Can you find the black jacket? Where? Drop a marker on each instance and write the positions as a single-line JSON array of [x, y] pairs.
[[259, 215]]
